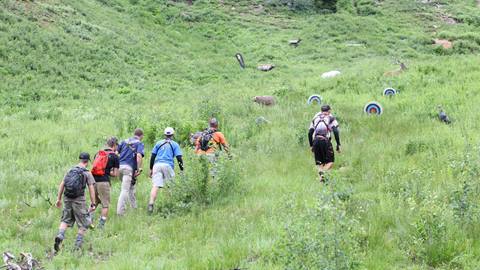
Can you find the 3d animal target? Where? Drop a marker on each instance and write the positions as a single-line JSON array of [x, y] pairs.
[[314, 98], [389, 92], [373, 108], [240, 60]]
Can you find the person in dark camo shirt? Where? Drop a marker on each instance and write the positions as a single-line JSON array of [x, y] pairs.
[[75, 209]]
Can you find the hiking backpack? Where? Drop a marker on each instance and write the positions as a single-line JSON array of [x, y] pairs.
[[75, 183], [100, 163], [205, 139], [322, 126]]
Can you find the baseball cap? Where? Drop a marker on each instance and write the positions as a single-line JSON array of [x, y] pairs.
[[84, 156], [169, 131]]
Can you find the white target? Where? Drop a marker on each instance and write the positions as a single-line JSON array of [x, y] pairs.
[[389, 92], [314, 98], [373, 108]]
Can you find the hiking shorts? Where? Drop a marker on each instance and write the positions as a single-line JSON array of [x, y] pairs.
[[102, 194], [323, 150], [161, 174], [75, 211]]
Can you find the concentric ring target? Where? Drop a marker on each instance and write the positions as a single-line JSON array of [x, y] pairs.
[[389, 92], [373, 108], [314, 98]]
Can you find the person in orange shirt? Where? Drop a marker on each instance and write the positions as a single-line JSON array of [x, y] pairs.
[[211, 141]]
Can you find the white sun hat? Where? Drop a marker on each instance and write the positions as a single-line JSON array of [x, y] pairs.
[[169, 131]]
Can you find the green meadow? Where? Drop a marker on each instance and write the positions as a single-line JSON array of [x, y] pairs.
[[405, 190]]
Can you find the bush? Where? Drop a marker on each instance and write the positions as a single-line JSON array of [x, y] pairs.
[[202, 184], [322, 238]]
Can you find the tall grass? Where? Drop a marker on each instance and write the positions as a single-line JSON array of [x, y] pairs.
[[404, 192]]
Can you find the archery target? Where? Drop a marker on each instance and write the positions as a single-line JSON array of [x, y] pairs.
[[314, 98], [373, 108], [389, 92]]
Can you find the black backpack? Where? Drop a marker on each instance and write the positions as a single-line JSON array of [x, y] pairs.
[[205, 139], [75, 183]]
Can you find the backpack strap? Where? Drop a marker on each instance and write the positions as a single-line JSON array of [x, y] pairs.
[[130, 145], [171, 147]]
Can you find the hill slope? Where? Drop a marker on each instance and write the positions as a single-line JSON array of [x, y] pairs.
[[405, 191]]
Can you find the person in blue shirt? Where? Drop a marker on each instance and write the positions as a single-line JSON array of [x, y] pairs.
[[131, 155], [162, 164]]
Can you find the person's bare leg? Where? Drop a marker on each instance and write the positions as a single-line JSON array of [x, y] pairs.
[[153, 195], [322, 169], [103, 217]]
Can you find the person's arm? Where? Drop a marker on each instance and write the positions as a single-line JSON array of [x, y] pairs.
[[224, 143], [180, 162], [152, 162], [336, 133], [310, 138], [114, 172], [91, 190], [61, 187], [197, 145], [115, 165], [139, 161]]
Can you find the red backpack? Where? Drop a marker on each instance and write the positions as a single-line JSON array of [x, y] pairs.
[[100, 162]]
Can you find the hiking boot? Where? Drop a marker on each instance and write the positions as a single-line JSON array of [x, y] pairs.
[[150, 209], [322, 177], [58, 243], [77, 246]]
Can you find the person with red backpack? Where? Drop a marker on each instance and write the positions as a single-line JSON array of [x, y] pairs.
[[319, 138], [105, 165], [74, 204]]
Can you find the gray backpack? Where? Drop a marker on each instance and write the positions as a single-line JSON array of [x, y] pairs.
[[322, 125]]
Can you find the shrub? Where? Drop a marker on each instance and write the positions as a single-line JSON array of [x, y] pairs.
[[322, 238], [202, 184]]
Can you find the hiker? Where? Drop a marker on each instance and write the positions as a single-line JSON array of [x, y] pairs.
[[211, 142], [74, 204], [319, 137], [162, 164], [105, 165], [131, 157]]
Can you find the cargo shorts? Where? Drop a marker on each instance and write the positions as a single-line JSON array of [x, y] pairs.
[[75, 211], [102, 194]]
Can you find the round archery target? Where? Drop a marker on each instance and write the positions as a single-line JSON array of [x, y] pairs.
[[314, 98], [373, 108], [389, 92]]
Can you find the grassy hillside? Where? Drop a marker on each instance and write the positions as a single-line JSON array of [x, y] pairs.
[[405, 190]]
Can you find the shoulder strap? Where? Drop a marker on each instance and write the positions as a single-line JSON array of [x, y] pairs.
[[171, 147], [130, 145]]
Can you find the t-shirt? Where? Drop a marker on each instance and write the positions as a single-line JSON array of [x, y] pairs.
[[218, 139], [127, 151], [113, 162], [319, 127], [90, 181], [166, 150]]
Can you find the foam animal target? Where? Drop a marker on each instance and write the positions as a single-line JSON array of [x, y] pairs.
[[314, 98], [389, 92], [240, 60], [373, 108]]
